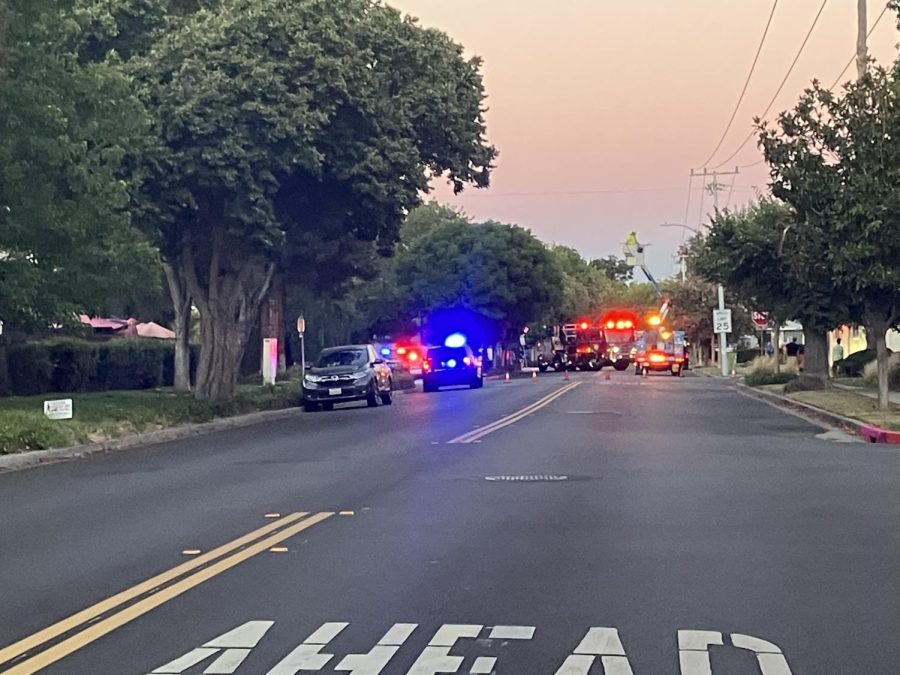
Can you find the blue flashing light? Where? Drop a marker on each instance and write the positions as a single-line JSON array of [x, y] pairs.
[[455, 340], [385, 351], [451, 363]]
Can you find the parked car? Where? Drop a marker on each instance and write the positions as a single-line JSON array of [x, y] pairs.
[[347, 373], [449, 366]]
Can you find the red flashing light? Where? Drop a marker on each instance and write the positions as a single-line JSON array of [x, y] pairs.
[[610, 324], [401, 351], [413, 356], [585, 325]]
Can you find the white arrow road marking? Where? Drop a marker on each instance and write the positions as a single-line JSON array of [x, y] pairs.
[[435, 658], [381, 654], [236, 644], [307, 656], [693, 652], [602, 642]]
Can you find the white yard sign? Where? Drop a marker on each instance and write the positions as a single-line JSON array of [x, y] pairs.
[[58, 410]]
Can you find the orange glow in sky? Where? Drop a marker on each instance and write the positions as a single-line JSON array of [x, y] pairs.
[[608, 105]]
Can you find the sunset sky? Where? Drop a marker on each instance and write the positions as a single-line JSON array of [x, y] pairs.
[[620, 99]]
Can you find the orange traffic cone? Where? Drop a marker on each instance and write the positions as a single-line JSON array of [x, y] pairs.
[[607, 376], [566, 375], [534, 376], [506, 379]]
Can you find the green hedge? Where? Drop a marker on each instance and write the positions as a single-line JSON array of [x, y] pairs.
[[73, 365]]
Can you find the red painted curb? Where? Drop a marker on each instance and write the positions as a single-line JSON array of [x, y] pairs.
[[879, 435]]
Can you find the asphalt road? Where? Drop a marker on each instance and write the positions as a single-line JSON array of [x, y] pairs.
[[650, 526]]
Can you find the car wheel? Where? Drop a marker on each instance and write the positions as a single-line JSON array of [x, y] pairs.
[[428, 387], [542, 367], [387, 398], [621, 365], [372, 398], [477, 384], [309, 406], [328, 406]]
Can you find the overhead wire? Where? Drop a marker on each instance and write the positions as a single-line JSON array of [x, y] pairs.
[[780, 86], [744, 89], [837, 79]]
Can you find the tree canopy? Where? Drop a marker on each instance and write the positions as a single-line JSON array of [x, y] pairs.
[[66, 241], [296, 133]]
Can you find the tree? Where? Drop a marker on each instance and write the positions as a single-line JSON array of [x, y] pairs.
[[499, 271], [293, 132], [833, 158], [615, 269], [67, 245]]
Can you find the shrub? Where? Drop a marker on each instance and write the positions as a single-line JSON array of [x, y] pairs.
[[804, 383], [74, 364], [760, 378], [870, 372], [30, 368], [855, 363], [766, 364], [133, 364], [746, 355]]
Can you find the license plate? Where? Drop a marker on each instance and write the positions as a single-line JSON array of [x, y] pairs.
[[415, 371], [334, 392]]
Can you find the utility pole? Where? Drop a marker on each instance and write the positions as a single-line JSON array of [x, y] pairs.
[[723, 337], [862, 27]]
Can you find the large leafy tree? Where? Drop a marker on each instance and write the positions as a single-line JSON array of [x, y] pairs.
[[295, 132], [768, 258], [66, 241], [502, 272], [834, 158]]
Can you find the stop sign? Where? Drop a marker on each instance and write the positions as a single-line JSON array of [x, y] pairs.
[[761, 319]]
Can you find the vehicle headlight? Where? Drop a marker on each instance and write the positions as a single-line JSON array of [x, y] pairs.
[[615, 350], [313, 378], [360, 375]]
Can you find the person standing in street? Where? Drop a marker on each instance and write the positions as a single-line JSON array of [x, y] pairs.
[[837, 354]]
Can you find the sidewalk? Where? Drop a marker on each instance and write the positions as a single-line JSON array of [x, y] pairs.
[[893, 396]]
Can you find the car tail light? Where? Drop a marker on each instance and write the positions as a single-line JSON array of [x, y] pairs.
[[426, 365], [657, 358], [413, 356]]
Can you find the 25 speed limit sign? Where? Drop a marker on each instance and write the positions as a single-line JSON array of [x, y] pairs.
[[721, 320]]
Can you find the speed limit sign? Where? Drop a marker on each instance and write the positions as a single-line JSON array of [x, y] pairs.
[[721, 320]]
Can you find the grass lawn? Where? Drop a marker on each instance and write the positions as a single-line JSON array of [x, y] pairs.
[[851, 404], [101, 416]]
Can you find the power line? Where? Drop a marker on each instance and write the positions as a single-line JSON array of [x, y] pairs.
[[853, 58], [838, 79], [780, 86], [571, 193], [744, 90]]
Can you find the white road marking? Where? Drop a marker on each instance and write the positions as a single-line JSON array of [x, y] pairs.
[[694, 658], [602, 642], [449, 633], [484, 665], [307, 656], [237, 644], [183, 663], [512, 632], [227, 662], [380, 655]]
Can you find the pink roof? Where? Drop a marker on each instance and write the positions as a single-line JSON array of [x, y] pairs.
[[97, 322], [154, 330]]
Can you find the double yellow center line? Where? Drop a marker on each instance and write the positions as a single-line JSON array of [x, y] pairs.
[[481, 432], [157, 593]]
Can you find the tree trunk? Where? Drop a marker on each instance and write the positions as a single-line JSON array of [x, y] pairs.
[[229, 302], [871, 334], [882, 358], [181, 303], [776, 345], [815, 355]]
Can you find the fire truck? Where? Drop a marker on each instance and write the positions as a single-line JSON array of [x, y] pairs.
[[572, 346], [619, 338]]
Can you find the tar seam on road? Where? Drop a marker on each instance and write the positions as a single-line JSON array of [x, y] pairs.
[[244, 547], [476, 435]]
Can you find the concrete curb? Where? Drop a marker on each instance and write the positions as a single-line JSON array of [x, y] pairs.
[[872, 433], [28, 459]]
